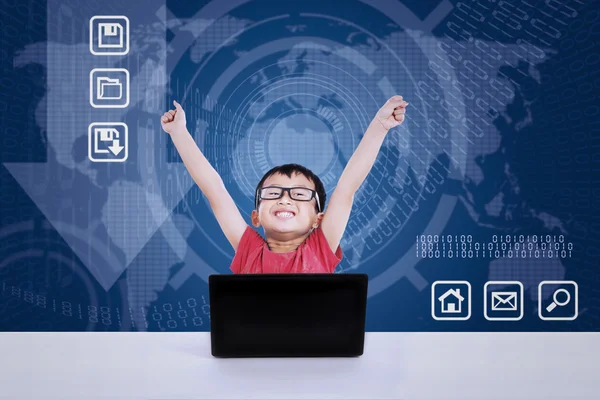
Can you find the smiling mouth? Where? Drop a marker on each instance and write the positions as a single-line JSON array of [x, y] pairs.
[[285, 214]]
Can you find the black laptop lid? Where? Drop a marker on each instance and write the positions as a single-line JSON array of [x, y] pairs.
[[288, 315]]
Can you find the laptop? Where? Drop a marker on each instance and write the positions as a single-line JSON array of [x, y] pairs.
[[288, 315]]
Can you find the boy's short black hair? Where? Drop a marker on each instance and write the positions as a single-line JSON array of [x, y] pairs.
[[288, 170]]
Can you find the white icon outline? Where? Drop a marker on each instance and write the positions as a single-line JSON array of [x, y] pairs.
[[93, 92], [433, 301], [504, 301], [521, 303], [110, 53], [102, 28], [91, 138], [102, 82], [575, 295]]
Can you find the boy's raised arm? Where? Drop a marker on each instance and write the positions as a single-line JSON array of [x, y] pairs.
[[338, 211], [206, 177]]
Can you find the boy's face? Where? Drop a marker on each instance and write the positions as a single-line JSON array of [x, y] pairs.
[[285, 215]]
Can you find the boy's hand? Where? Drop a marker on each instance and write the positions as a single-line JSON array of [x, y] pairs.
[[392, 112], [173, 120]]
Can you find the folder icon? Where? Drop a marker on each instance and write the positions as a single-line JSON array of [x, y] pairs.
[[108, 89]]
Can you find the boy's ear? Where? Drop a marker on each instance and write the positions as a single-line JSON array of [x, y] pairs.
[[318, 220], [255, 220]]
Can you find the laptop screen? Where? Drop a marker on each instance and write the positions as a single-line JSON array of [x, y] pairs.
[[291, 315]]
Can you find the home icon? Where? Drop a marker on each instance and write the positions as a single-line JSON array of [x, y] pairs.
[[451, 300]]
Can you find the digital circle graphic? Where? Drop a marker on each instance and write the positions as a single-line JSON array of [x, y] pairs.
[[307, 97]]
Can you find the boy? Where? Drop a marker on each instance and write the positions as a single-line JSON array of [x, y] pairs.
[[289, 202]]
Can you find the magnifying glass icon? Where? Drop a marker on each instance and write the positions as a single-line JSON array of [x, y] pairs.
[[555, 303]]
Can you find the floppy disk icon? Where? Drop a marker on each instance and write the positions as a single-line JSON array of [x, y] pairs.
[[110, 35], [107, 142], [504, 301]]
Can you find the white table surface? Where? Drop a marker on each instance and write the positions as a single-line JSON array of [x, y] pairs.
[[395, 366]]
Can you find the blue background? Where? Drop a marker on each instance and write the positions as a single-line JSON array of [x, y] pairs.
[[501, 143]]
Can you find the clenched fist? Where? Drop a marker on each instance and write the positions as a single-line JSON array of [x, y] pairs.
[[173, 120], [392, 112]]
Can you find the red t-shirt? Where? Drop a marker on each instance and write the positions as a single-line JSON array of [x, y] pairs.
[[314, 255]]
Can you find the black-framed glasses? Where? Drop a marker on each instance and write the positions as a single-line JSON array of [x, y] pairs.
[[295, 193]]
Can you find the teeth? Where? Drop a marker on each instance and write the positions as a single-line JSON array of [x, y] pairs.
[[284, 214]]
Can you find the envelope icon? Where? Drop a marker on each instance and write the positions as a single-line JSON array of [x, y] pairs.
[[504, 301]]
